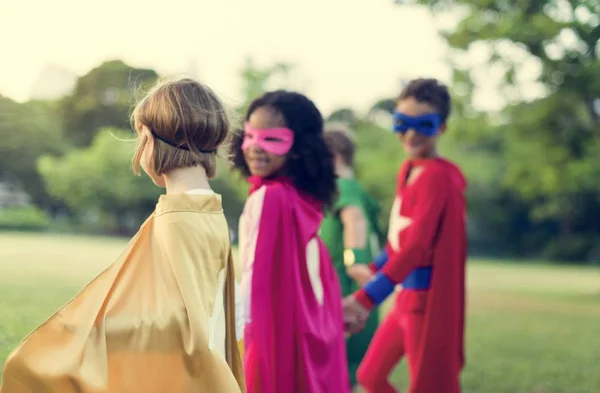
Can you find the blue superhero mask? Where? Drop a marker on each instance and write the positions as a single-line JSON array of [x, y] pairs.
[[425, 124]]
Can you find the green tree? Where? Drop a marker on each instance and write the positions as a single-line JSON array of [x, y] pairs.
[[27, 131], [343, 115], [103, 98], [378, 158], [550, 143], [386, 105], [97, 183]]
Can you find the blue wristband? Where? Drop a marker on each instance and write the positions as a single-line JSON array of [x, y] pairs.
[[419, 279], [381, 259], [379, 288]]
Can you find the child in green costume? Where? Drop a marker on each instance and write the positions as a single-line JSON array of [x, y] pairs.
[[351, 233]]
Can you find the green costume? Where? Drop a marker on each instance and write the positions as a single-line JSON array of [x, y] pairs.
[[332, 233]]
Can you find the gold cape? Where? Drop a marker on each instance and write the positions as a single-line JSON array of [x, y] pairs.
[[147, 323]]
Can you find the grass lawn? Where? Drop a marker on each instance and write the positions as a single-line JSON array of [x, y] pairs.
[[532, 328]]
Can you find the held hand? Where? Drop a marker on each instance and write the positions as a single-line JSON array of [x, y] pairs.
[[355, 315], [359, 273]]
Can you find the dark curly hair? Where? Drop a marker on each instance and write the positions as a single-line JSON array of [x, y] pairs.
[[310, 162], [430, 91]]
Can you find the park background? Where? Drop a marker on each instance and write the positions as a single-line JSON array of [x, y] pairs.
[[525, 128]]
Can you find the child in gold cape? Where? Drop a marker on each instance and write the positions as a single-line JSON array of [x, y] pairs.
[[161, 318]]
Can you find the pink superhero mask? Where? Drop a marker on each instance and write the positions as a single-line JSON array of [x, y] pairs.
[[276, 141]]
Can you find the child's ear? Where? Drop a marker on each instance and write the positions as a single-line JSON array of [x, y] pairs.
[[442, 129]]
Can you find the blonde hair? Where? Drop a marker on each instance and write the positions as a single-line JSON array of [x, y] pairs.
[[188, 123]]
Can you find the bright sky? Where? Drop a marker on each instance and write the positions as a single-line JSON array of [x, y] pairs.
[[348, 53]]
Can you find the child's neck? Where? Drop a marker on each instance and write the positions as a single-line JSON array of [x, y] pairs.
[[430, 155], [179, 181], [344, 171]]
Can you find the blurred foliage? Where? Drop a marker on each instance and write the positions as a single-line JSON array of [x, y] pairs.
[[97, 183], [27, 131], [542, 153], [24, 218], [532, 167], [103, 98]]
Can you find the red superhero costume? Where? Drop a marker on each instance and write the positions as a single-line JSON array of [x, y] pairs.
[[427, 254]]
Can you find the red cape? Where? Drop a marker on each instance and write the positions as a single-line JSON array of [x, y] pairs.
[[436, 237], [295, 339], [442, 344]]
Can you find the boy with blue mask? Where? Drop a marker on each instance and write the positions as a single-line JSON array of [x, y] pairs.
[[425, 253]]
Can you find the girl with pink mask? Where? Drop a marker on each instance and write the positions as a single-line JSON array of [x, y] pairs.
[[294, 331]]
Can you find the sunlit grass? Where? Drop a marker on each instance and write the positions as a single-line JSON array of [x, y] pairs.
[[531, 328]]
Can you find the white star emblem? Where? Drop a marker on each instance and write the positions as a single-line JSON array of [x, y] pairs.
[[397, 224]]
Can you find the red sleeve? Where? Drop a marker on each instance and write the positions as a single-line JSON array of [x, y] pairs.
[[418, 239]]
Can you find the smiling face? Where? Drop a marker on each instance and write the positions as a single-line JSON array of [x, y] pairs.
[[260, 162], [417, 145]]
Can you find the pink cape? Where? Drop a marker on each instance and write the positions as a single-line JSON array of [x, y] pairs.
[[294, 343]]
